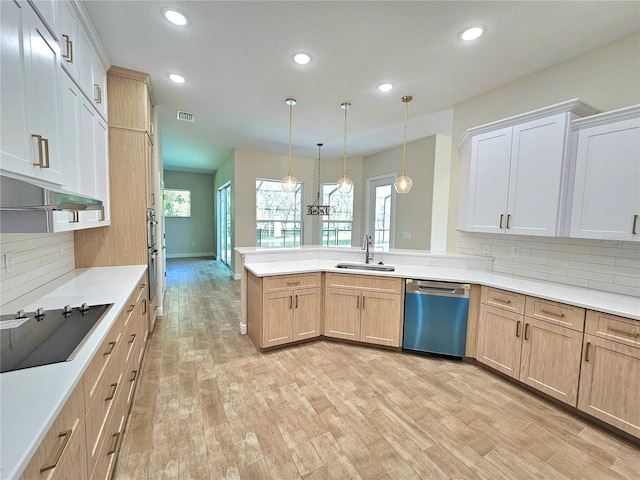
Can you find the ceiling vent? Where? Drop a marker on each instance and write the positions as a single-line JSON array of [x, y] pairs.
[[186, 116]]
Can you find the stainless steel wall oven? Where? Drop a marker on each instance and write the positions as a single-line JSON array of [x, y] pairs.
[[152, 251]]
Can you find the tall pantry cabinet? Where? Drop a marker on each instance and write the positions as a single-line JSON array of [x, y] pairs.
[[132, 171]]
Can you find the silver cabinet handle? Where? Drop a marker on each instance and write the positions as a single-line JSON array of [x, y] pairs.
[[634, 230], [501, 217], [508, 220]]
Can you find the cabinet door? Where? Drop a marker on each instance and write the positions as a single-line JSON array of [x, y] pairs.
[[68, 37], [151, 176], [306, 316], [551, 359], [606, 196], [84, 56], [489, 181], [99, 165], [537, 160], [381, 318], [342, 313], [13, 134], [610, 383], [500, 340], [42, 68], [48, 11], [99, 85], [278, 312]]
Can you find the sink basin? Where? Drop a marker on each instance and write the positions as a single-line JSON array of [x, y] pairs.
[[366, 266]]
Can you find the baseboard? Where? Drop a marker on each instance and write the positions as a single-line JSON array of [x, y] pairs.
[[190, 255], [237, 276]]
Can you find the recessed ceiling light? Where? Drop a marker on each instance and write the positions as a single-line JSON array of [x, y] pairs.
[[175, 17], [301, 58], [385, 87], [471, 33], [176, 78]]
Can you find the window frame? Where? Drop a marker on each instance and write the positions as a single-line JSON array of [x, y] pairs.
[[297, 233], [164, 202]]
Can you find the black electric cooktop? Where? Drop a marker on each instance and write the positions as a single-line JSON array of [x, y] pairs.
[[38, 338]]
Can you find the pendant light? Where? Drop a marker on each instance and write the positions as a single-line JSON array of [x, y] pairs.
[[403, 183], [344, 183], [289, 183], [317, 208]]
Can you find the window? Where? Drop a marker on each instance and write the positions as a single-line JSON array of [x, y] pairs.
[[337, 226], [177, 203], [278, 215], [382, 221]]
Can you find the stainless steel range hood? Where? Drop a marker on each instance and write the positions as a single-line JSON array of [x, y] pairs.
[[27, 207]]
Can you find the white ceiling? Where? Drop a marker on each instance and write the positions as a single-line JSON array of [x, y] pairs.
[[236, 56]]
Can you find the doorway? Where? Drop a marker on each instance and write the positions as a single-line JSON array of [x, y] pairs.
[[380, 211], [224, 224]]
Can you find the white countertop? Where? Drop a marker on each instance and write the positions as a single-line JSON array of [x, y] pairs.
[[30, 399], [623, 305]]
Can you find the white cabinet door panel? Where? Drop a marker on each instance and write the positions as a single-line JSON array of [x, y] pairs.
[[607, 182]]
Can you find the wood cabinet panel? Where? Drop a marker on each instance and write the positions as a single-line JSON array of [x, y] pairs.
[[612, 327], [499, 339], [290, 282], [554, 312], [504, 299], [306, 319], [364, 282], [551, 359], [610, 383], [276, 327], [63, 449], [379, 322], [342, 313]]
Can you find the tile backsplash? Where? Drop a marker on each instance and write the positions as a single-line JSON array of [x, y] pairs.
[[612, 266], [38, 258]]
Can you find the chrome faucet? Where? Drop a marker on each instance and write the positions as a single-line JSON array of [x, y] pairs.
[[368, 247]]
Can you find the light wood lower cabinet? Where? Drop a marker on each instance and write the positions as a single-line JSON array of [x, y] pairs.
[[61, 454], [364, 309], [530, 339], [610, 375], [283, 309]]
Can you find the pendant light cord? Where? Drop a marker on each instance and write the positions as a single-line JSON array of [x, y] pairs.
[[318, 197], [345, 106], [290, 129], [404, 144]]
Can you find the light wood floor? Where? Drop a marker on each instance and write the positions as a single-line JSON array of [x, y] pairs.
[[209, 406]]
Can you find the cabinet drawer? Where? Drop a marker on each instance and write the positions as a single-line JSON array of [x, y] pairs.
[[289, 282], [100, 412], [102, 360], [133, 303], [612, 327], [61, 443], [514, 302], [554, 312], [365, 282], [110, 442]]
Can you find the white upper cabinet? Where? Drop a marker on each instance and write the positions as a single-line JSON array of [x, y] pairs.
[[80, 56], [48, 11], [513, 172], [606, 194], [30, 87]]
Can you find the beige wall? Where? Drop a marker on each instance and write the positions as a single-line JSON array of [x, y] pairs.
[[606, 78]]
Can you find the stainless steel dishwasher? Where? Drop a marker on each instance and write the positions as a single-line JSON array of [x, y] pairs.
[[435, 317]]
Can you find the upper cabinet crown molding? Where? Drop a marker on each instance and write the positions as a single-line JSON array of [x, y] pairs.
[[627, 113], [570, 106]]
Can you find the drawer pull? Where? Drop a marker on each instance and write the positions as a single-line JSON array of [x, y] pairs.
[[518, 328], [114, 387], [131, 308], [554, 314], [144, 304], [501, 300], [624, 333], [587, 350], [142, 285], [526, 331], [114, 447], [67, 435], [133, 338], [134, 375], [294, 283], [112, 345]]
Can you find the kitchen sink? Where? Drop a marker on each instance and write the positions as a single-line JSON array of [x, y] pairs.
[[366, 266]]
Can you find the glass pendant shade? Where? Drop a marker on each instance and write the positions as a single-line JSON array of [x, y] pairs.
[[404, 183], [290, 183], [344, 183]]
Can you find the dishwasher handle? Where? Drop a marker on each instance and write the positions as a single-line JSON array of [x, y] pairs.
[[423, 287], [436, 289]]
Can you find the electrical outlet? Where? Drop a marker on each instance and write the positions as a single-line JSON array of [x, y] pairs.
[[307, 255], [270, 257], [406, 235], [432, 262], [486, 249], [9, 263], [515, 252]]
